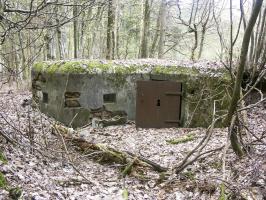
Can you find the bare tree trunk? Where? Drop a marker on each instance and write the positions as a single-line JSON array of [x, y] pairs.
[[204, 28], [91, 39], [231, 36], [59, 43], [162, 29], [127, 44], [117, 29], [48, 44], [75, 30], [145, 30], [241, 67], [156, 34], [82, 35], [260, 43], [195, 46], [203, 32], [24, 67], [110, 31]]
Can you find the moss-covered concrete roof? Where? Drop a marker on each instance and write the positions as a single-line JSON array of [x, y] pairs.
[[151, 66]]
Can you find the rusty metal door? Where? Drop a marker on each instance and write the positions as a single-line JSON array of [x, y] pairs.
[[158, 104]]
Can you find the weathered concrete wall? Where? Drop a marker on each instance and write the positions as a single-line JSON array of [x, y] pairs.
[[72, 91]]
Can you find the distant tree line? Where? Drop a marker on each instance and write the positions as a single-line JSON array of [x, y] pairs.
[[122, 29]]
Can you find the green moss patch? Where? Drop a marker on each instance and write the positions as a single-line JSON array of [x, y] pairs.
[[3, 182], [83, 66], [184, 139], [96, 66], [15, 193], [174, 70], [216, 165], [190, 175], [3, 157]]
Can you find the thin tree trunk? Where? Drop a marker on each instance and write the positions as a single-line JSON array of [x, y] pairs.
[[156, 34], [94, 29], [260, 43], [82, 35], [75, 30], [230, 118], [162, 29], [59, 41], [110, 31], [261, 38], [195, 46], [204, 28], [203, 32], [145, 31], [242, 61], [48, 44], [23, 58], [231, 36], [117, 38]]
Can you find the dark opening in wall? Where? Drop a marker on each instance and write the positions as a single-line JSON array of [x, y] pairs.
[[45, 97], [72, 94], [109, 98], [72, 99], [72, 103]]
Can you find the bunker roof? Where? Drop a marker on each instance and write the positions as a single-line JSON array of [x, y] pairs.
[[138, 66]]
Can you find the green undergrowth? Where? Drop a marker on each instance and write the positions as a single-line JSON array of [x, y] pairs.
[[3, 157], [189, 175], [216, 165], [3, 182], [223, 195], [14, 192], [125, 194], [183, 139]]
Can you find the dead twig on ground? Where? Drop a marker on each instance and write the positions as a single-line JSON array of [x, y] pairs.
[[196, 151]]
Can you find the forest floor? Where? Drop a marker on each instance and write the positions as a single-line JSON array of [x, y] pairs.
[[43, 168]]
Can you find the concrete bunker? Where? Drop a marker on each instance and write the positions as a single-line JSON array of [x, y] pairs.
[[76, 92]]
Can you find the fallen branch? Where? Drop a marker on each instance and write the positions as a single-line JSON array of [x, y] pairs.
[[104, 153], [7, 138], [128, 168], [154, 165], [196, 152]]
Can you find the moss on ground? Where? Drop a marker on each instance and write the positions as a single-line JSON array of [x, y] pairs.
[[184, 139], [189, 175], [223, 195], [15, 193], [3, 182], [216, 165], [3, 157]]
